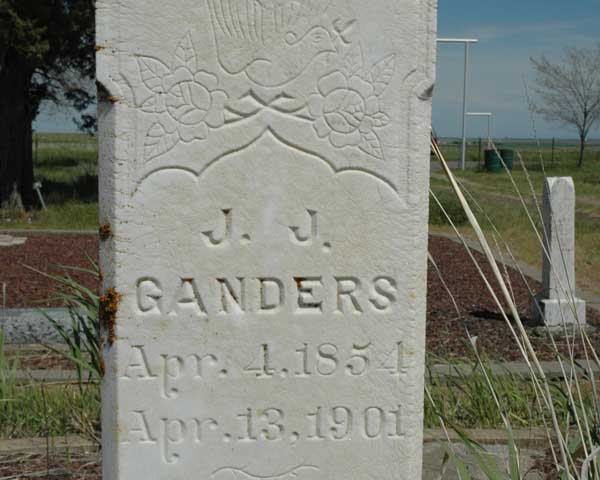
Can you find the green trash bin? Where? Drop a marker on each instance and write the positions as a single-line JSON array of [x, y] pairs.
[[508, 157], [492, 161]]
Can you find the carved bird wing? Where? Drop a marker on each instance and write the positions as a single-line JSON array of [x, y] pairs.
[[250, 30]]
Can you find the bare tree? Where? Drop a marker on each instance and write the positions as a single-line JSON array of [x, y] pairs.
[[570, 91]]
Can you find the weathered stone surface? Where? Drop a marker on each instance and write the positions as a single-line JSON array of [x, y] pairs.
[[264, 172], [557, 304]]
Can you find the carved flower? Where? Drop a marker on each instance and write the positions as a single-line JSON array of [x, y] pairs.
[[185, 100], [194, 102], [347, 109], [343, 109]]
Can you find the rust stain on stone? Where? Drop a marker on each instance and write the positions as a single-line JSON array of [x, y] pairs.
[[102, 367], [105, 231], [109, 306]]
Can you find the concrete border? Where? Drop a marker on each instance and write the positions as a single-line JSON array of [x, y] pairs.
[[29, 325], [518, 369], [533, 438], [74, 443]]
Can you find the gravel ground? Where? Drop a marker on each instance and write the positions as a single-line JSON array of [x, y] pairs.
[[446, 330], [446, 335]]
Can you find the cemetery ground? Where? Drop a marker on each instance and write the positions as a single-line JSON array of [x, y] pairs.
[[53, 409]]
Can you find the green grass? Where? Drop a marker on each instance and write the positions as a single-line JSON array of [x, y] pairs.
[[67, 215], [565, 151], [65, 138], [587, 180], [465, 401], [66, 165], [39, 410]]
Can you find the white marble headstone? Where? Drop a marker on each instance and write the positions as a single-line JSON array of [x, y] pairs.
[[264, 190], [557, 304]]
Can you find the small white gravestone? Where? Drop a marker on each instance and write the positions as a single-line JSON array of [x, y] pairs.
[[557, 304], [264, 194]]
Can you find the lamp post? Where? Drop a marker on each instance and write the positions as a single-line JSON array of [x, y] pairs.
[[489, 116], [467, 42]]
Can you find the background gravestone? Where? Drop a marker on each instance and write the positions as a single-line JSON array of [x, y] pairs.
[[557, 304], [264, 192]]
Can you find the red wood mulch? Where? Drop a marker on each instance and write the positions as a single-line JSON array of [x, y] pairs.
[[46, 253], [445, 329]]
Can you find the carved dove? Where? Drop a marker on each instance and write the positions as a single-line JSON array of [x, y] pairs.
[[272, 41]]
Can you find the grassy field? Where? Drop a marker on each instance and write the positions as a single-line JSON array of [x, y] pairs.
[[66, 164], [499, 199], [564, 151]]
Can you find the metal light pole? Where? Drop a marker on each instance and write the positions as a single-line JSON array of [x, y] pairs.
[[467, 42], [489, 116]]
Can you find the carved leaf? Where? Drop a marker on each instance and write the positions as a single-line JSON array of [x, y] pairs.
[[382, 73], [344, 110], [149, 106], [185, 55], [158, 141], [152, 72], [371, 145], [380, 119], [353, 62], [154, 104]]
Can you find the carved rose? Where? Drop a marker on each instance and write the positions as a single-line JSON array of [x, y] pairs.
[[185, 100], [347, 109], [343, 109], [194, 102]]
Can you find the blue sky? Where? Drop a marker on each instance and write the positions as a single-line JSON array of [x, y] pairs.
[[510, 32]]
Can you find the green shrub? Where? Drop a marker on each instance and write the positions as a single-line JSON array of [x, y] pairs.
[[452, 207]]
